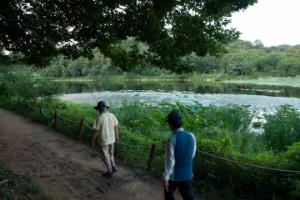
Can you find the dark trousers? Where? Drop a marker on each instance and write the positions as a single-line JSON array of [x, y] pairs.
[[185, 189]]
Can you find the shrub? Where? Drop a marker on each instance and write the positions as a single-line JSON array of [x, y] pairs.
[[282, 128]]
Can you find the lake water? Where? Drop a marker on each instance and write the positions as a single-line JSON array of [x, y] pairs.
[[258, 97]]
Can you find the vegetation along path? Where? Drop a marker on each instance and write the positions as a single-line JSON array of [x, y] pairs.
[[64, 168]]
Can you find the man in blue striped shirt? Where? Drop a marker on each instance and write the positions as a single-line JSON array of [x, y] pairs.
[[180, 151]]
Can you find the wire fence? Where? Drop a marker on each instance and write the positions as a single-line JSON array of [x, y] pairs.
[[150, 157]]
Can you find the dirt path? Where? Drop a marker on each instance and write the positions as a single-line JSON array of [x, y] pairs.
[[66, 169]]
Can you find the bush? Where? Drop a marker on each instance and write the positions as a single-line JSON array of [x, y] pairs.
[[282, 128]]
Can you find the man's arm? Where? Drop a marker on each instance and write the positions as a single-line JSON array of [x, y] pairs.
[[116, 129], [95, 135], [169, 163], [117, 132], [96, 127], [195, 145]]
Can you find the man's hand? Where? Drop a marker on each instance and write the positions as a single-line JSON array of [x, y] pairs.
[[166, 185]]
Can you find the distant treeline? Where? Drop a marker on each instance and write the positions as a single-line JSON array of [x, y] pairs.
[[242, 58], [246, 58]]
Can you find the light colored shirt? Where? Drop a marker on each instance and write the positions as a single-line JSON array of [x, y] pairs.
[[105, 125], [170, 157]]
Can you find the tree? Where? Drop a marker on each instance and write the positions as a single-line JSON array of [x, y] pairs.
[[258, 44], [57, 66], [242, 61], [41, 29], [269, 62], [130, 54], [190, 63]]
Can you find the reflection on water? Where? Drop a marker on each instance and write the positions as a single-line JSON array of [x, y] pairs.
[[256, 103]]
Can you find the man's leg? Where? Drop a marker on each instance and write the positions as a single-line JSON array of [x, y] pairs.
[[169, 195], [106, 157], [186, 191], [111, 157]]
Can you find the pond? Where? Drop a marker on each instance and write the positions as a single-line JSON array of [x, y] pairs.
[[258, 97], [261, 99], [226, 88]]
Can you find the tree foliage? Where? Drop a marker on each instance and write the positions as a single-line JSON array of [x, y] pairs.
[[243, 58], [130, 54], [61, 66], [27, 85], [40, 29]]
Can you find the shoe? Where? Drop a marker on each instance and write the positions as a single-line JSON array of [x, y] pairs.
[[107, 174], [114, 169]]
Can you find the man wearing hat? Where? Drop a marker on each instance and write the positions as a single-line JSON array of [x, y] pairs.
[[106, 133], [180, 151]]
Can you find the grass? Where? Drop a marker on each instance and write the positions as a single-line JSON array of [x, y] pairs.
[[189, 77], [74, 79], [276, 81]]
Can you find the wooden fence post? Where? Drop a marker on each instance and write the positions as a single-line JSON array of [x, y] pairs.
[[151, 156], [81, 123], [55, 120], [28, 107], [40, 107]]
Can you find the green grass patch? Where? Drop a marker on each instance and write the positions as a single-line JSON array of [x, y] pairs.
[[73, 79], [276, 81], [188, 77]]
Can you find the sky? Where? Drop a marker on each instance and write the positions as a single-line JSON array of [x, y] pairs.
[[274, 22]]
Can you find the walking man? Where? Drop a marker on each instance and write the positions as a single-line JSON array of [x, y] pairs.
[[180, 151], [106, 133]]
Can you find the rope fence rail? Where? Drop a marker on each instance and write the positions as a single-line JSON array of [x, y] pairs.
[[248, 164], [45, 115], [88, 126], [67, 119]]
